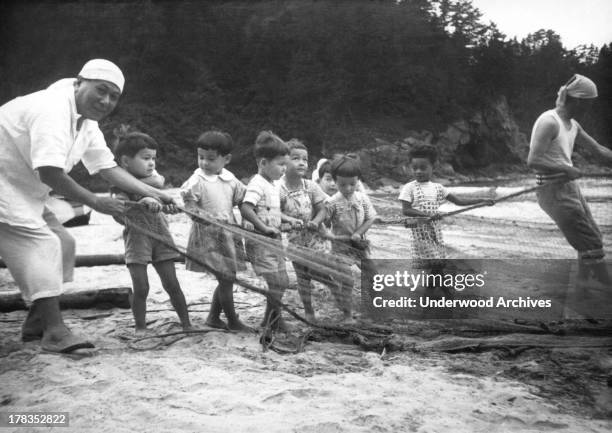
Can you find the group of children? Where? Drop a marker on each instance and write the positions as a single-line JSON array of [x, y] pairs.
[[330, 208]]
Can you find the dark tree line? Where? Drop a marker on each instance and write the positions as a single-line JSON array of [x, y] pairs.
[[334, 73]]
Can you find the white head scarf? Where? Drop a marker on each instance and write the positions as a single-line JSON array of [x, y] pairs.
[[315, 172], [578, 86], [100, 69]]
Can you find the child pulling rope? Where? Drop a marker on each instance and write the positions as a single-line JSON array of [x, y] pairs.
[[412, 221]]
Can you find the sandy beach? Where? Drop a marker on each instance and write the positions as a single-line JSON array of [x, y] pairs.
[[225, 382]]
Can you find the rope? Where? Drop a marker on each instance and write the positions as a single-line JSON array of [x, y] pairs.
[[317, 261], [297, 253], [425, 219], [602, 174], [251, 287]]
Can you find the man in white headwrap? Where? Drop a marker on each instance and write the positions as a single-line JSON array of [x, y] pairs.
[[550, 154], [43, 135]]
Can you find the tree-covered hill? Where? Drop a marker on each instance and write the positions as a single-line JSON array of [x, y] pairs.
[[337, 74]]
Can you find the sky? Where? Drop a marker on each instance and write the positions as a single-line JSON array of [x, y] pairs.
[[576, 21]]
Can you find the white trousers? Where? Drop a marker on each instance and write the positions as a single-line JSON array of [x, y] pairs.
[[40, 259]]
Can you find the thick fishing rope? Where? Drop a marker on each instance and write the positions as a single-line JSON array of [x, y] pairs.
[[425, 219], [318, 261]]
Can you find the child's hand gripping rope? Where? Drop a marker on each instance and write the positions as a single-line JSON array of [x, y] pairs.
[[415, 221], [272, 232], [356, 241], [170, 208], [360, 243], [150, 204]]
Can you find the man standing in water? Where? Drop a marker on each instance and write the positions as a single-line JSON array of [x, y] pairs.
[[550, 154], [42, 136]]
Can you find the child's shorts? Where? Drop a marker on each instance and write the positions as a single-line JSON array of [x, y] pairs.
[[142, 249], [263, 259]]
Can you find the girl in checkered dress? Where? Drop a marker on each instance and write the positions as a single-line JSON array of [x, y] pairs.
[[422, 198]]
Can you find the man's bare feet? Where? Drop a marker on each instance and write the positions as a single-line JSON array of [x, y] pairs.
[[32, 328], [61, 340]]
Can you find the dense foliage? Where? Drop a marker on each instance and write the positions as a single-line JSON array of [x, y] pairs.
[[336, 74]]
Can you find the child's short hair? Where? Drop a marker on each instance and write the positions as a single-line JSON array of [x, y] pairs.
[[426, 151], [324, 168], [215, 140], [129, 142], [345, 166], [268, 145], [294, 143]]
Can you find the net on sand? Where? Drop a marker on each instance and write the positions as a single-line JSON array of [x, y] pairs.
[[515, 228]]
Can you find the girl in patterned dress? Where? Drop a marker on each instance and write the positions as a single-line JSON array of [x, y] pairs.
[[302, 204], [423, 198], [214, 191], [350, 214]]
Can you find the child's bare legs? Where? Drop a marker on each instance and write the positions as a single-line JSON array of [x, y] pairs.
[[277, 283], [343, 292], [223, 300], [368, 270], [138, 296], [214, 315], [167, 275], [347, 305], [305, 290]]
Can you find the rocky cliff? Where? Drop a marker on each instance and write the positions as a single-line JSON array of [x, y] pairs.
[[489, 137]]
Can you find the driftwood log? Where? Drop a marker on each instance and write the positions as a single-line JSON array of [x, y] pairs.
[[99, 260], [458, 344], [117, 297], [452, 344]]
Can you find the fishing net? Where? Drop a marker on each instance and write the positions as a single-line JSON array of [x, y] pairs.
[[514, 228], [336, 271]]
